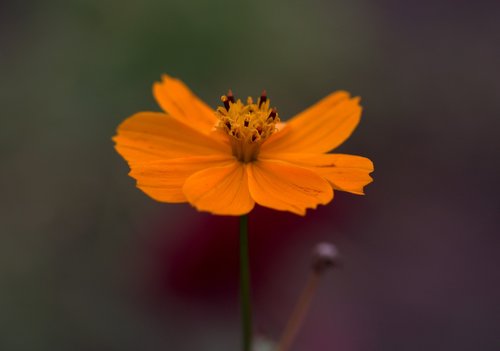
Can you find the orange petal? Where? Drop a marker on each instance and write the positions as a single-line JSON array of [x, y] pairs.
[[320, 128], [220, 190], [163, 180], [148, 136], [178, 100], [345, 172], [286, 187]]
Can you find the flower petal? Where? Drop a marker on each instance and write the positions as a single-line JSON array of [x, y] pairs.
[[345, 172], [148, 136], [286, 187], [320, 128], [220, 190], [178, 100], [163, 180]]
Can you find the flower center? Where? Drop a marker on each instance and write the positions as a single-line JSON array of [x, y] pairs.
[[248, 126]]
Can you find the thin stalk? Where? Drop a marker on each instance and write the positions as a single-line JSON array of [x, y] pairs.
[[245, 303], [299, 313]]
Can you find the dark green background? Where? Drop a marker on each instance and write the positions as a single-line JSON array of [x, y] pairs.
[[421, 248]]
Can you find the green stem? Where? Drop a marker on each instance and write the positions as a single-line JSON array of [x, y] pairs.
[[246, 309]]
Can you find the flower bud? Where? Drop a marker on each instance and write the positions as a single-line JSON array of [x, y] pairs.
[[325, 255]]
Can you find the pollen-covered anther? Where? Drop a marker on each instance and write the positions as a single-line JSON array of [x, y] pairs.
[[228, 99], [263, 97], [248, 125], [273, 114]]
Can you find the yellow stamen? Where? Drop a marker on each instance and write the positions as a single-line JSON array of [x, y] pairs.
[[247, 125]]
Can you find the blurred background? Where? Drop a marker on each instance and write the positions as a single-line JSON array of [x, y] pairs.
[[88, 262]]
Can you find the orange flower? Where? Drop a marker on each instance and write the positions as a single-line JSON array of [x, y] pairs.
[[225, 161]]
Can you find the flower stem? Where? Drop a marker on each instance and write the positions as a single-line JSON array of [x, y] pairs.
[[299, 312], [246, 310]]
